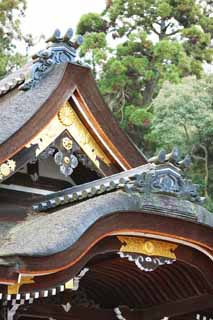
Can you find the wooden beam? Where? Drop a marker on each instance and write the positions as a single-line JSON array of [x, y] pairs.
[[171, 309], [46, 311]]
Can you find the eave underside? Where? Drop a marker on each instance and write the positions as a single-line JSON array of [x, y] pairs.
[[114, 286]]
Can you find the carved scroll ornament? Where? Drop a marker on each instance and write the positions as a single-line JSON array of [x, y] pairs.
[[165, 179], [146, 263], [62, 50]]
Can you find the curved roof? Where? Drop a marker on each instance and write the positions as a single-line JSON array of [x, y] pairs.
[[25, 113], [48, 234], [17, 107], [55, 246]]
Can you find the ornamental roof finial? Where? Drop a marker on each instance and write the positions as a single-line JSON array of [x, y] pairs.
[[60, 49]]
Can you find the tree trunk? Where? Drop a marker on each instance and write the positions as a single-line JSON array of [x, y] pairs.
[[149, 91]]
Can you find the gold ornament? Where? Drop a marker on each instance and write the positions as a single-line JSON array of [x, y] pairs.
[[7, 168], [11, 164], [67, 143], [81, 135], [66, 160], [67, 119], [66, 116], [147, 246], [70, 284], [14, 288]]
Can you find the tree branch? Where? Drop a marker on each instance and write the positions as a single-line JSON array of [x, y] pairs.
[[155, 31], [172, 33], [186, 133]]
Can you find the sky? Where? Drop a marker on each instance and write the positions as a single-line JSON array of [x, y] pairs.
[[44, 16]]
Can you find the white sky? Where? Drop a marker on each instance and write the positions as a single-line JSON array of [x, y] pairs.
[[44, 16]]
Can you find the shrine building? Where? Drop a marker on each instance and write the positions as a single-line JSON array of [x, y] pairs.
[[89, 227]]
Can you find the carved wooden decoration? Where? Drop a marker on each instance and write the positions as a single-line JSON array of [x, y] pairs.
[[70, 120], [61, 50], [67, 119], [167, 179], [146, 263], [147, 254], [148, 247]]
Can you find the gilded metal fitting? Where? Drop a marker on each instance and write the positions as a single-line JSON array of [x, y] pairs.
[[66, 160], [67, 143], [7, 168]]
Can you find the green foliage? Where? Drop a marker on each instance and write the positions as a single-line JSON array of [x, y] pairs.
[[91, 22], [209, 204], [144, 43], [183, 113], [183, 116], [92, 41], [10, 14], [93, 50], [164, 9], [140, 117]]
